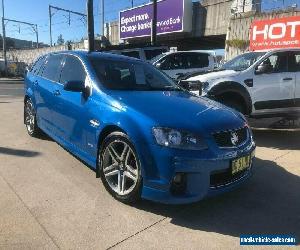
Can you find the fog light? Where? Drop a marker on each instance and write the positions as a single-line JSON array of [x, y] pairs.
[[178, 186], [178, 178]]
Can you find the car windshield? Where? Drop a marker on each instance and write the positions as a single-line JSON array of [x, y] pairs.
[[242, 62], [131, 75]]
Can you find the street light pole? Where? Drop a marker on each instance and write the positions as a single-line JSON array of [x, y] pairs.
[[37, 36], [4, 40], [51, 14], [90, 24], [154, 24], [103, 17], [50, 25]]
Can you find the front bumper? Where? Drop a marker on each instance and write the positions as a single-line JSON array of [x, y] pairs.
[[200, 181]]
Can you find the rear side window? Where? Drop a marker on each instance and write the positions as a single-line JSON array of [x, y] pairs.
[[294, 61], [197, 60], [37, 65], [53, 67], [173, 61], [73, 70]]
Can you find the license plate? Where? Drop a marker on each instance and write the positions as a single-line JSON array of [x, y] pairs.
[[240, 164]]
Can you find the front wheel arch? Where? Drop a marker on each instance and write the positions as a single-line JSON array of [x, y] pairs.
[[103, 134], [134, 194], [233, 100], [232, 89]]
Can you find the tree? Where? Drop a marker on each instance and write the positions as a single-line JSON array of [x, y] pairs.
[[60, 40], [69, 44]]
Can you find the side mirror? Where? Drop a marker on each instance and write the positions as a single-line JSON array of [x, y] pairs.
[[191, 85], [75, 86], [263, 69]]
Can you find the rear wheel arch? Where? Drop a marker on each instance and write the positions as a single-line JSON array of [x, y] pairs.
[[232, 91]]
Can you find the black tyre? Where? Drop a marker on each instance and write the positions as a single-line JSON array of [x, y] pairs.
[[119, 168], [30, 119]]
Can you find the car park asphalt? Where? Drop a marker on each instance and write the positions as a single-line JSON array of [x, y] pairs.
[[49, 199]]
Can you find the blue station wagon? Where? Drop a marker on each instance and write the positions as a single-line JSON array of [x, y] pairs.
[[145, 136]]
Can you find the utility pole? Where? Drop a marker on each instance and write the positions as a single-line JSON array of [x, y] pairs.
[[37, 36], [32, 25], [50, 25], [103, 17], [90, 24], [154, 24], [4, 40], [51, 14], [132, 3]]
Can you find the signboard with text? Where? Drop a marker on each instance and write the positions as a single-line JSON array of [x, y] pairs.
[[275, 33], [172, 16]]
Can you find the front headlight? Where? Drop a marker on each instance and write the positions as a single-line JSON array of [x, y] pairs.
[[178, 139]]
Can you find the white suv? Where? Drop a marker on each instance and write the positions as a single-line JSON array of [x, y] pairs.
[[256, 83], [179, 63]]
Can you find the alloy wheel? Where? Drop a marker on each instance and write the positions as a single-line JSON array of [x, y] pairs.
[[120, 167], [29, 117]]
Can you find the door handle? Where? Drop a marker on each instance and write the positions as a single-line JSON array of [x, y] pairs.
[[56, 92], [287, 79]]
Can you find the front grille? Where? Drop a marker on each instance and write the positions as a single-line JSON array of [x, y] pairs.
[[225, 177], [225, 138]]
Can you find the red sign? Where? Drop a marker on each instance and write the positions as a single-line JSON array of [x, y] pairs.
[[275, 33]]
